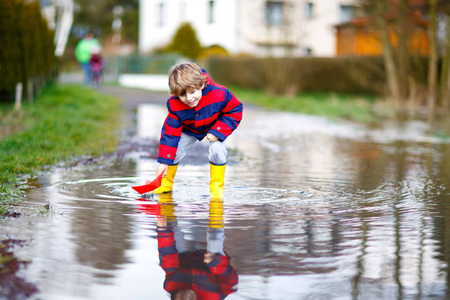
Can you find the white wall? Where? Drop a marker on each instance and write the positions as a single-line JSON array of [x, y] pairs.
[[320, 34], [221, 31], [152, 35], [239, 25]]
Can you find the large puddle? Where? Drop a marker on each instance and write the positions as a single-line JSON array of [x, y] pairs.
[[312, 210]]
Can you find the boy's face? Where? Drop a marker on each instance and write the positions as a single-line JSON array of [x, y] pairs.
[[192, 96]]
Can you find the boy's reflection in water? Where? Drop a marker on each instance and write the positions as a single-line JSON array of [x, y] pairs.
[[193, 272]]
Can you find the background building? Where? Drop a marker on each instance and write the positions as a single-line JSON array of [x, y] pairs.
[[257, 27]]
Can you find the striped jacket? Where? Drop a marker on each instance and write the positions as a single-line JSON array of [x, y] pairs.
[[215, 280], [219, 112]]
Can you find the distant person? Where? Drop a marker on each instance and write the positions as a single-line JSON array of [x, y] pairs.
[[83, 53], [198, 108], [96, 64]]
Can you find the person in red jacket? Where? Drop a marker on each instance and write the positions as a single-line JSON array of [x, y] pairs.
[[96, 63], [198, 108]]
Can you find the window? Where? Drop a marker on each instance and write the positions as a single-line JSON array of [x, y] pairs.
[[309, 10], [211, 11], [274, 13], [45, 3], [347, 12], [308, 52], [161, 14]]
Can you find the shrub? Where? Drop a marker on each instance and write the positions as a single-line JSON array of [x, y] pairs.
[[212, 51], [185, 42], [350, 75], [28, 49]]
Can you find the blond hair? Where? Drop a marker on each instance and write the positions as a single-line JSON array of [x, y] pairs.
[[186, 76]]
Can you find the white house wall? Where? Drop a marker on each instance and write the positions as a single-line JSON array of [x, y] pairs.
[[319, 33], [257, 36], [221, 31], [239, 25]]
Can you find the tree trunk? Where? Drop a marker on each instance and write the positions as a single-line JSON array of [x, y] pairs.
[[445, 78], [433, 58], [402, 51], [388, 53]]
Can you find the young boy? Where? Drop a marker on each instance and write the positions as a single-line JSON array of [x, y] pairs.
[[198, 108]]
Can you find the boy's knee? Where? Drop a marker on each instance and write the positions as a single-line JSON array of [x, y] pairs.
[[217, 153], [216, 146]]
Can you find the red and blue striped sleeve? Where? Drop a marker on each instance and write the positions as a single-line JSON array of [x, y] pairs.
[[170, 136], [168, 255], [227, 277], [229, 119]]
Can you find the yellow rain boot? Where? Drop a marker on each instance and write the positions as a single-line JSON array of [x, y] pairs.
[[167, 181], [167, 207], [217, 180], [216, 213]]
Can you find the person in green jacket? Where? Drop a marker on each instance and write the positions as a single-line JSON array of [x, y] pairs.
[[83, 52]]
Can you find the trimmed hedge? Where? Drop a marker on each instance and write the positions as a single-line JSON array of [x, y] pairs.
[[27, 52], [350, 75], [290, 76]]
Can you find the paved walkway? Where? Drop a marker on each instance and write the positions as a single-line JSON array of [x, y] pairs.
[[133, 97]]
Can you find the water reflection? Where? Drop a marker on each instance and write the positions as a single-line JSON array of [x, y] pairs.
[[194, 268], [311, 211], [101, 229], [12, 285]]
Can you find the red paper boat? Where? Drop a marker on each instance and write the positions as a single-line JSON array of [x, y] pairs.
[[148, 186], [149, 207]]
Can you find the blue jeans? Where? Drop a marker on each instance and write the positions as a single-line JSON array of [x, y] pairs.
[[87, 73], [196, 239]]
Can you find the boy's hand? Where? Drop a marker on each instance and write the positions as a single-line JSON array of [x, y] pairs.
[[163, 168], [208, 257], [212, 138]]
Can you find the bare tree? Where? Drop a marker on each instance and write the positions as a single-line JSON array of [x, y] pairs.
[[403, 37], [433, 58], [395, 19], [280, 40], [445, 67], [380, 13]]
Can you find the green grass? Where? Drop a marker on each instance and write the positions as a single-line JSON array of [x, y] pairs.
[[65, 121], [332, 106]]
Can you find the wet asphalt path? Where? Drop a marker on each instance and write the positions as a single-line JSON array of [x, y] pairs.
[[132, 98]]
